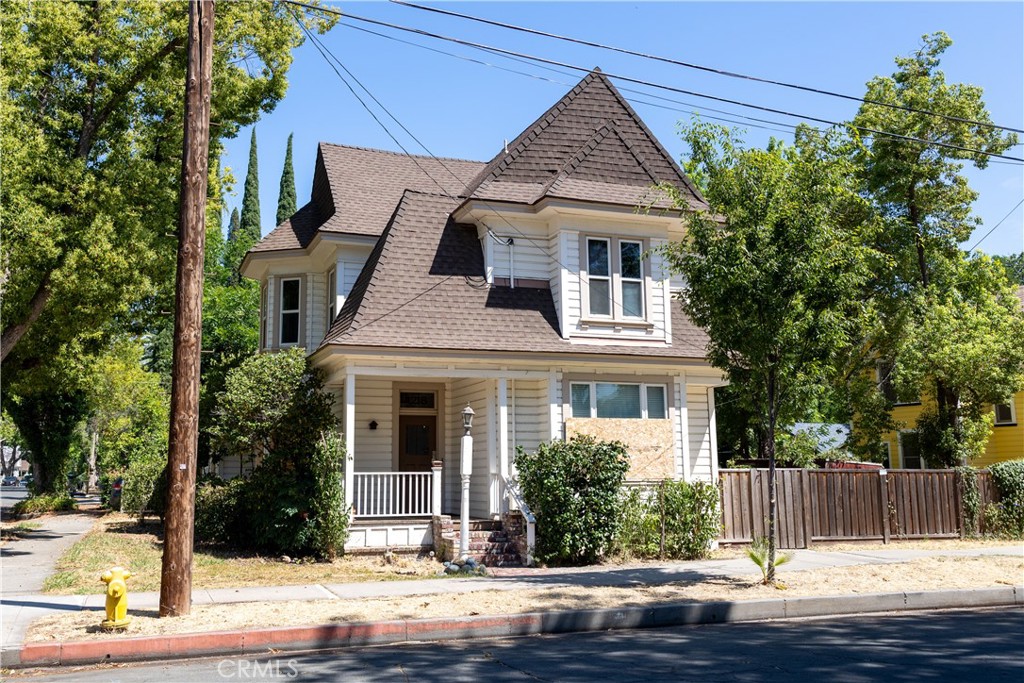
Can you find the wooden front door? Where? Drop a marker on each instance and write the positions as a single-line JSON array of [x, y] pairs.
[[417, 442]]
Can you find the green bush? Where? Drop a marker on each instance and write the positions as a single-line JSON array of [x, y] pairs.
[[145, 487], [691, 518], [328, 502], [217, 510], [1008, 519], [58, 502], [573, 488]]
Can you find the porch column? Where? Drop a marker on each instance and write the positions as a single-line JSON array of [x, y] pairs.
[[350, 437], [502, 443]]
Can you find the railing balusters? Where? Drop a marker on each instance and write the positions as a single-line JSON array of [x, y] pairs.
[[392, 494]]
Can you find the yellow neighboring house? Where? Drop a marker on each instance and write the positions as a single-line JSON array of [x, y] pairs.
[[1006, 441]]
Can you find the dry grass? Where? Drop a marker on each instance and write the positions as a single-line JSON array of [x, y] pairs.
[[15, 531], [118, 540], [923, 574]]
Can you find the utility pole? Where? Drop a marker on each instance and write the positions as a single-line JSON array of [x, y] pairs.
[[176, 575]]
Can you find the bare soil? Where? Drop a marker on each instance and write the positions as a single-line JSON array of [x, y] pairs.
[[922, 574]]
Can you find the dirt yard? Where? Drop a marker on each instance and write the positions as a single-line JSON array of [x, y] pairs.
[[923, 574]]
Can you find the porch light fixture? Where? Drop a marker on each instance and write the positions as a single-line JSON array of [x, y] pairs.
[[467, 418], [373, 425]]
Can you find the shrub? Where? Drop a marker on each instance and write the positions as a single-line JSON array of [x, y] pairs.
[[58, 502], [217, 510], [690, 514], [1009, 480], [328, 502], [145, 487], [573, 489]]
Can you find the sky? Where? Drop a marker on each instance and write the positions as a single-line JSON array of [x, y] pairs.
[[458, 108]]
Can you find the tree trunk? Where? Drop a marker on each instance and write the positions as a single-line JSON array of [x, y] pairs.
[[176, 574], [92, 480], [770, 448]]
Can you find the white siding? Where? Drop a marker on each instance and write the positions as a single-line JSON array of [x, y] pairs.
[[658, 314], [554, 277], [373, 446], [316, 309], [529, 258], [528, 414], [479, 394], [699, 432], [349, 270], [571, 279]]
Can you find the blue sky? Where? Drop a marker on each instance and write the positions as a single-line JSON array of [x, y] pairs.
[[466, 110]]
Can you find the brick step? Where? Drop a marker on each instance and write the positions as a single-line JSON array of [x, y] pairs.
[[504, 560], [493, 536], [481, 525], [492, 548]]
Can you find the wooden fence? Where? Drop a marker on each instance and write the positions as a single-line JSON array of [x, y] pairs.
[[846, 505]]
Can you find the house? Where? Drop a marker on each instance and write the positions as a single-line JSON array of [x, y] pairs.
[[524, 287], [1006, 441]]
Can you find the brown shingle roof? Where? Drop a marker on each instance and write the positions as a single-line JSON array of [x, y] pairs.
[[593, 135], [423, 287], [355, 191]]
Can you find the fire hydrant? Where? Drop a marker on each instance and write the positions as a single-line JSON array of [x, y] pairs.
[[116, 579]]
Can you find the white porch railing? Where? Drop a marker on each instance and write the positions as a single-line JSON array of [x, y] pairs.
[[396, 494], [517, 502]]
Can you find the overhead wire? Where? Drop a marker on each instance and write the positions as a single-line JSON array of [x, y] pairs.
[[708, 69], [993, 229], [652, 84]]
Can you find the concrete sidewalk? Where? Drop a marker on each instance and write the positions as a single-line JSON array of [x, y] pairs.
[[18, 611]]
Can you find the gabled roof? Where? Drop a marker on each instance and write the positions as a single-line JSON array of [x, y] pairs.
[[355, 191], [591, 146], [423, 288]]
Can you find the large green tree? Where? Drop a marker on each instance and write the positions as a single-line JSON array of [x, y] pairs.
[[91, 130], [1013, 264], [776, 285], [286, 199], [920, 191], [249, 230]]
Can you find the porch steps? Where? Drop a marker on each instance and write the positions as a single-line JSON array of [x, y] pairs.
[[489, 545]]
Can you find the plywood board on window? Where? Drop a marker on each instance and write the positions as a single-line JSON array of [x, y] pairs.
[[648, 442]]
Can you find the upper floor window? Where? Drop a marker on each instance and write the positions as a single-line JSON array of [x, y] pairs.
[[290, 310], [1005, 414], [883, 378], [613, 400], [615, 275], [332, 295]]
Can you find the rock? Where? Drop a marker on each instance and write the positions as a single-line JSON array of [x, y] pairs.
[[451, 569], [286, 559]]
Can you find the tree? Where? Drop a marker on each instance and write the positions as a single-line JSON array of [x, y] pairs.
[[776, 286], [9, 438], [233, 224], [919, 190], [286, 201], [91, 127], [1013, 264], [249, 231]]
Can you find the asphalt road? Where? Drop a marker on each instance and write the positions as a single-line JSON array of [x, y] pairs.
[[986, 646], [9, 495]]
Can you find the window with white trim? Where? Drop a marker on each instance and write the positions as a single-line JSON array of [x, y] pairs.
[[332, 295], [291, 307], [618, 400], [615, 278], [1005, 414]]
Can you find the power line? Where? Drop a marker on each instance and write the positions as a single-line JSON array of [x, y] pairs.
[[651, 84], [996, 225], [720, 72]]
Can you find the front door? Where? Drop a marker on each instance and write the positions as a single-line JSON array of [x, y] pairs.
[[417, 442]]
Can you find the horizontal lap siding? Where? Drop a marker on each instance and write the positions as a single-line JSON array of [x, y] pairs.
[[531, 261], [571, 261], [528, 416], [373, 403], [316, 309], [478, 394], [699, 433]]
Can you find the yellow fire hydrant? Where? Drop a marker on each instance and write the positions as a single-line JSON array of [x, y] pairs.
[[116, 579]]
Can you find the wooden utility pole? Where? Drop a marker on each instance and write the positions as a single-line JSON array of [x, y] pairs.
[[176, 576]]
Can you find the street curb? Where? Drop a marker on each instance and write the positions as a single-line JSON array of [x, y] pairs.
[[298, 638]]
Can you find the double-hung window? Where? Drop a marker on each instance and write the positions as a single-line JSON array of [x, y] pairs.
[[291, 299], [615, 277], [1005, 414], [910, 451], [617, 400], [332, 295]]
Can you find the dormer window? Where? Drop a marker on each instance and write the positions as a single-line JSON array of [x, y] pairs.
[[291, 301], [616, 278]]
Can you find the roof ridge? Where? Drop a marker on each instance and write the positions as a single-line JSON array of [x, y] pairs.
[[398, 154]]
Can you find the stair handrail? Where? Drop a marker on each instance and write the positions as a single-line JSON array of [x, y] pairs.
[[517, 502]]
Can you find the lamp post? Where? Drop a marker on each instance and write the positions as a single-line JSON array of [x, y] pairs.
[[466, 470]]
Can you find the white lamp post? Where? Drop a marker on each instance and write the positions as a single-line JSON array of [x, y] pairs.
[[466, 470]]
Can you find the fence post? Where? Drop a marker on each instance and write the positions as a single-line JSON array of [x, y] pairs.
[[661, 508], [435, 488], [805, 485], [883, 481]]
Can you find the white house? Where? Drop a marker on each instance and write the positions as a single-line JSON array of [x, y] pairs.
[[525, 287]]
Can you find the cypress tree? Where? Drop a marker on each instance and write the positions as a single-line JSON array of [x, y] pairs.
[[246, 232], [286, 196], [233, 224]]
